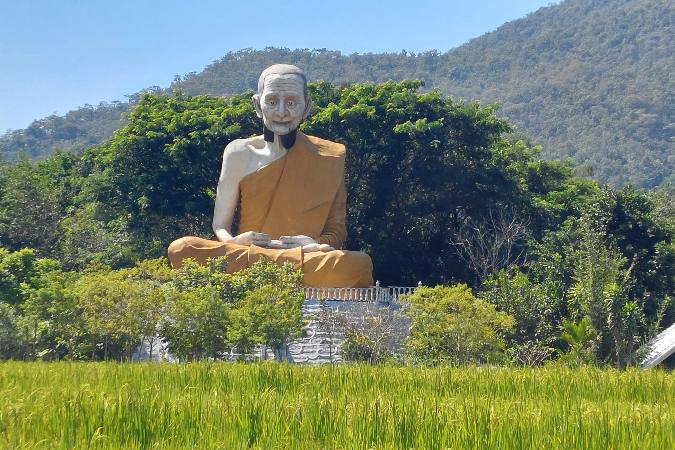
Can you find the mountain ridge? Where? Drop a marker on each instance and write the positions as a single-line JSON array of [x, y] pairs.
[[586, 79]]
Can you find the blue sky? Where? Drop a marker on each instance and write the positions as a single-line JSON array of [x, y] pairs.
[[58, 55]]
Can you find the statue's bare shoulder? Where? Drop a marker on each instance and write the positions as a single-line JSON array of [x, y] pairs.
[[237, 152], [240, 156], [245, 146], [244, 156]]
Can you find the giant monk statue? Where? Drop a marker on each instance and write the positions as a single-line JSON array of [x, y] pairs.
[[290, 191]]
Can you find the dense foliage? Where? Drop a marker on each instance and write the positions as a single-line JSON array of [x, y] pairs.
[[74, 131], [432, 184], [449, 325], [198, 311], [586, 79], [419, 166], [210, 314]]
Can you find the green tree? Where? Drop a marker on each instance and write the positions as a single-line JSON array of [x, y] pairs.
[[536, 307], [270, 316], [29, 208], [120, 308], [615, 253], [12, 340], [579, 338], [631, 221], [160, 171], [450, 325], [418, 166], [601, 293], [20, 272], [90, 235], [52, 319]]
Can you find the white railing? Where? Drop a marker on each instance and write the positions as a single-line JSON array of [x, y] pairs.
[[370, 294]]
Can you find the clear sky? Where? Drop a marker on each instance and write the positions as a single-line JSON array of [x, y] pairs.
[[56, 55]]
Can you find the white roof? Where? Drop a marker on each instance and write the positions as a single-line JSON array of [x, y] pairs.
[[660, 348]]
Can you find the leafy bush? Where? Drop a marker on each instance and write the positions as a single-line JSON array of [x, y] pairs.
[[534, 306], [209, 312], [579, 338], [270, 316], [119, 308], [361, 347], [375, 338], [450, 325], [196, 324], [11, 337]]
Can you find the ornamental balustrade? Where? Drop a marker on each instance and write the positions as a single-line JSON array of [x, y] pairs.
[[374, 294]]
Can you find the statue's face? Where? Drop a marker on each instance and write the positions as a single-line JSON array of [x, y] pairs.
[[283, 103]]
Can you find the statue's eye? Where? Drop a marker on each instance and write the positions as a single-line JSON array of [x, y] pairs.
[[271, 102], [290, 103]]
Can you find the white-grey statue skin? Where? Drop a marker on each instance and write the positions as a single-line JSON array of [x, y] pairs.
[[282, 103]]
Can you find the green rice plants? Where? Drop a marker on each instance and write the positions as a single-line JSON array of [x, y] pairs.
[[270, 405]]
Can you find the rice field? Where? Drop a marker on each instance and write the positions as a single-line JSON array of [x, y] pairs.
[[267, 406]]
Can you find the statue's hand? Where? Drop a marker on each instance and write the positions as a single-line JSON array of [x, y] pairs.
[[296, 241], [309, 248], [252, 238]]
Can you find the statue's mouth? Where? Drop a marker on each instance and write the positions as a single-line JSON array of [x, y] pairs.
[[282, 123]]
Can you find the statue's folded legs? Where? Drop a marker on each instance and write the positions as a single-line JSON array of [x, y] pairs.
[[336, 268]]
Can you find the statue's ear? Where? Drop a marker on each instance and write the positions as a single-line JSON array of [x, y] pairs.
[[308, 107], [256, 105]]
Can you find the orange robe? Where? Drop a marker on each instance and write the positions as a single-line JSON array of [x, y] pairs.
[[302, 193]]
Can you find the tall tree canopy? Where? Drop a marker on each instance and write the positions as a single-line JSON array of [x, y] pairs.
[[419, 166]]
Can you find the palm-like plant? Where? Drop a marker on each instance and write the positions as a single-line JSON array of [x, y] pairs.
[[579, 337]]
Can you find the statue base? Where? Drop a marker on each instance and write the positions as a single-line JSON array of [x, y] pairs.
[[330, 313]]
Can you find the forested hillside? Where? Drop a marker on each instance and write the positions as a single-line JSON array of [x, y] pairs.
[[439, 192], [587, 79]]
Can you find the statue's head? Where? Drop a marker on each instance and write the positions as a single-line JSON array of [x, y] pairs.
[[282, 100]]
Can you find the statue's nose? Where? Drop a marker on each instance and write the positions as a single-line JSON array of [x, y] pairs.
[[281, 110]]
